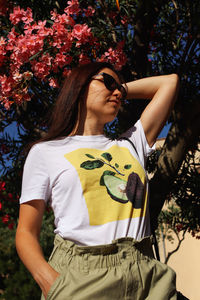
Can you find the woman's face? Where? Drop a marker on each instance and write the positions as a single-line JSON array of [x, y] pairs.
[[102, 104]]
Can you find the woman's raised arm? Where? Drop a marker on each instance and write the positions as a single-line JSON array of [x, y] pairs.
[[28, 247], [163, 91]]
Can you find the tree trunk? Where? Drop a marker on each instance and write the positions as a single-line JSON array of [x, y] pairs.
[[183, 135]]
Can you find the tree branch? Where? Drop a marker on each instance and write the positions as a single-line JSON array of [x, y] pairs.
[[105, 10], [178, 246], [183, 133]]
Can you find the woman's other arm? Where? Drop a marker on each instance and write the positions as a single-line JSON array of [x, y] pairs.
[[163, 91], [28, 247]]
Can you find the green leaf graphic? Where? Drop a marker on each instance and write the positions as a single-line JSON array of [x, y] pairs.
[[89, 155], [90, 165], [107, 172], [107, 156], [116, 165], [127, 167]]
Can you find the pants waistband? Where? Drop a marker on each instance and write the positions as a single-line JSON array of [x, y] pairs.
[[143, 246]]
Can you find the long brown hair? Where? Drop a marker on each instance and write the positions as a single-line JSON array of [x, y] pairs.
[[64, 115]]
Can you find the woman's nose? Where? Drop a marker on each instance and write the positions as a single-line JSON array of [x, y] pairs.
[[117, 93]]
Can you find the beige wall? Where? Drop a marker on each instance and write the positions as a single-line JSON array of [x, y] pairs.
[[186, 264], [186, 261]]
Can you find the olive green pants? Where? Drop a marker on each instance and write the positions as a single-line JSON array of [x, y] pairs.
[[124, 269]]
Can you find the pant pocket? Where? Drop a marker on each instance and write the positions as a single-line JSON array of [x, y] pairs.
[[55, 287]]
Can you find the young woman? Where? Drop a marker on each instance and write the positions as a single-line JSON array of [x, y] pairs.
[[98, 191]]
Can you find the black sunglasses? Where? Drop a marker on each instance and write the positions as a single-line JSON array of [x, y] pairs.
[[111, 84]]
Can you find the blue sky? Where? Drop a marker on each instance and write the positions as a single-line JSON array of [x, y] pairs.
[[165, 130], [12, 130]]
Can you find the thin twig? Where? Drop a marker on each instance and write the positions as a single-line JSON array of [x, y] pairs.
[[178, 246]]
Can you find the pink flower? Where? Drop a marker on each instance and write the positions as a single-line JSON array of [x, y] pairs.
[[24, 48], [27, 75], [84, 59], [5, 219], [10, 196], [27, 16], [21, 15], [40, 69], [46, 59], [0, 206], [82, 33], [5, 83], [66, 44], [115, 56], [72, 8], [21, 96], [62, 19], [42, 30], [6, 103], [2, 41], [2, 50], [16, 16], [66, 72], [53, 15], [53, 82], [124, 21], [62, 60], [12, 35], [59, 29], [17, 76], [2, 186], [65, 19], [11, 225], [26, 97], [89, 11]]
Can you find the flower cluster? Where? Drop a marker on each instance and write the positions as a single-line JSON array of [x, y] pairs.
[[47, 52], [21, 15], [116, 56]]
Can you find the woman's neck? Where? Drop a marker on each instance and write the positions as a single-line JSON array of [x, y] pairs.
[[88, 128]]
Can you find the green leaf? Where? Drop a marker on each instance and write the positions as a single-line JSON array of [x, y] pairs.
[[116, 165], [90, 165], [50, 22], [107, 156], [127, 167], [34, 56], [107, 172], [89, 155]]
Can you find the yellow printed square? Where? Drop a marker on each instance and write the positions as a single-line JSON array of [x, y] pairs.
[[113, 183]]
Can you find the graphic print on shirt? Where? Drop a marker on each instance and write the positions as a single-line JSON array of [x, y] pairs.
[[113, 183]]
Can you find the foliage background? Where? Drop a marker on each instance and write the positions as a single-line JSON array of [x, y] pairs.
[[157, 37]]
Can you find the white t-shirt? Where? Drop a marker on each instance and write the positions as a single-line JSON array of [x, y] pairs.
[[97, 187]]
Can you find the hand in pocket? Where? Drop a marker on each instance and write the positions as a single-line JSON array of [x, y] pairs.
[[49, 282]]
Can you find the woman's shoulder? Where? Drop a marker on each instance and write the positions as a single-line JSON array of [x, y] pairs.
[[51, 143]]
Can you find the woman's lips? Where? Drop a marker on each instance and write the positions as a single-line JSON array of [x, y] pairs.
[[114, 101]]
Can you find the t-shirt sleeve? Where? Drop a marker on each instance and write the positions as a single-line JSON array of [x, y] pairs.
[[137, 136], [35, 181]]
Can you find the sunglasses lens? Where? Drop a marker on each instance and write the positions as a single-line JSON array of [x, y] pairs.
[[109, 82]]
